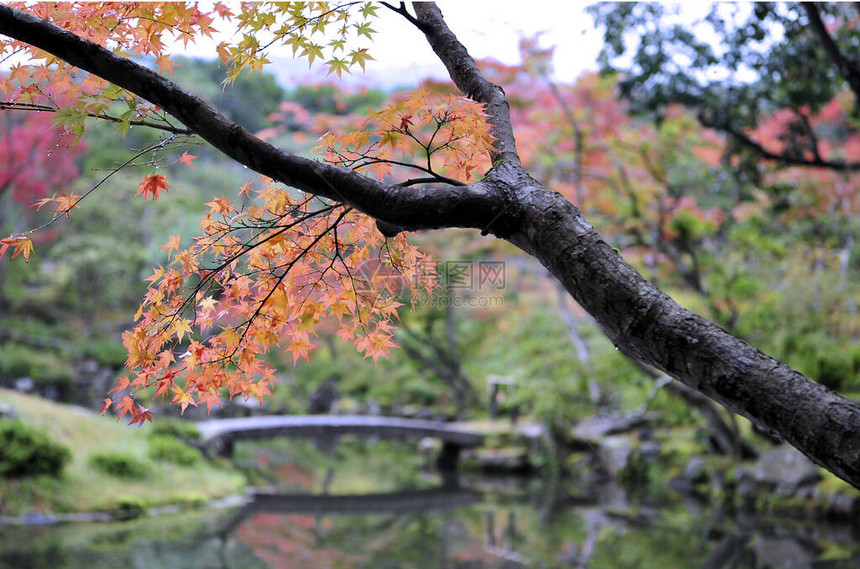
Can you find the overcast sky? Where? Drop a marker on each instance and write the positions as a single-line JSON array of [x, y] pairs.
[[488, 28], [493, 28]]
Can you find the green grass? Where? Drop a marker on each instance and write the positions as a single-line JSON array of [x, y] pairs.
[[83, 488]]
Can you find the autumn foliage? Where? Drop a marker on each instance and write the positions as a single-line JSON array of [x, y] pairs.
[[270, 266]]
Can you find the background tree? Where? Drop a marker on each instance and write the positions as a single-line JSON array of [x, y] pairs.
[[779, 85], [277, 288]]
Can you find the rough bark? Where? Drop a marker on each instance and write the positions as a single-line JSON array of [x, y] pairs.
[[640, 320]]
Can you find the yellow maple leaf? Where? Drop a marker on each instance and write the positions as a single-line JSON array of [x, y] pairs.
[[22, 245], [180, 327]]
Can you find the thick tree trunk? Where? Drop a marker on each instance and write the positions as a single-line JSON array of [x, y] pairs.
[[648, 326], [641, 321]]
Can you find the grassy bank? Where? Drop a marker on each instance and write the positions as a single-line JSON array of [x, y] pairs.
[[84, 488]]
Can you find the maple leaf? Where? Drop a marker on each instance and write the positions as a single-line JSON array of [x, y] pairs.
[[107, 403], [141, 415], [65, 203], [125, 405], [184, 399], [187, 158], [220, 205], [171, 245], [153, 185], [164, 64], [180, 328], [121, 384], [207, 304], [22, 245]]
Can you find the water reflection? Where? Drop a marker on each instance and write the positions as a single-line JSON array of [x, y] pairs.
[[444, 528], [357, 515]]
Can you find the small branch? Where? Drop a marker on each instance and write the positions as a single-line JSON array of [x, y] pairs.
[[813, 138], [428, 180], [130, 161], [753, 145], [33, 107], [468, 78], [403, 12], [847, 68]]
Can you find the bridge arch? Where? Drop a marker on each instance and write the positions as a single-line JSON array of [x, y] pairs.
[[219, 435]]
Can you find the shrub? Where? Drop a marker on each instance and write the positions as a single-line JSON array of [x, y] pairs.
[[108, 353], [27, 451], [174, 428], [120, 465], [44, 368], [168, 449], [130, 507]]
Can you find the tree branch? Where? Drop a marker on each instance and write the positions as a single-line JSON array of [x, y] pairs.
[[787, 160], [643, 322], [465, 73], [33, 107], [847, 68], [477, 206]]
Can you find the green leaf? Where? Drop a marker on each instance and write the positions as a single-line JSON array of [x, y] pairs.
[[336, 65]]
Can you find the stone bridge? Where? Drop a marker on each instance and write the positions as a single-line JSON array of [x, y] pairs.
[[219, 435]]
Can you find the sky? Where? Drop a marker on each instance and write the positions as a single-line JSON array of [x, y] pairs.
[[488, 28], [493, 29]]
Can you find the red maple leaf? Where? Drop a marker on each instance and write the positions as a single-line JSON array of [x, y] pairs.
[[140, 415], [126, 405], [153, 184]]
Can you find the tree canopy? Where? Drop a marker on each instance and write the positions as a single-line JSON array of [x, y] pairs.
[[315, 241]]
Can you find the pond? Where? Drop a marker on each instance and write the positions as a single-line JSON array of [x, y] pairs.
[[360, 505]]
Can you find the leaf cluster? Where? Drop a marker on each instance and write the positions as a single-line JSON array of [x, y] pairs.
[[445, 137]]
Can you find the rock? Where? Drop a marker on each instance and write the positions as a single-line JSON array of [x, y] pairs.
[[784, 552], [504, 460], [7, 411], [842, 506], [696, 472], [785, 468], [650, 449], [615, 453], [24, 384], [597, 426]]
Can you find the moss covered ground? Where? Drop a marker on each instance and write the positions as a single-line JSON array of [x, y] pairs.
[[84, 488]]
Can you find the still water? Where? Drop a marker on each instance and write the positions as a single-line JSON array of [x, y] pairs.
[[370, 506]]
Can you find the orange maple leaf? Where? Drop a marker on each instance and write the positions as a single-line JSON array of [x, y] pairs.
[[22, 245], [220, 205], [184, 398], [164, 64], [187, 158], [66, 202], [171, 245], [153, 184]]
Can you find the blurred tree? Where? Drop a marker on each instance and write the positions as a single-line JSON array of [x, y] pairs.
[[36, 158], [249, 101], [284, 264], [741, 64]]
